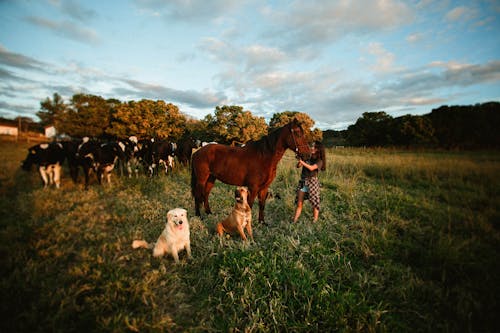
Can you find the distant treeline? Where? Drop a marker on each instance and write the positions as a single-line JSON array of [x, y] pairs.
[[447, 127]]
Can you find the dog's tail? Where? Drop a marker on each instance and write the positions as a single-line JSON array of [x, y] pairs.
[[141, 243]]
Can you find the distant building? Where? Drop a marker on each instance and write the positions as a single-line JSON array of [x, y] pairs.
[[50, 131], [8, 129]]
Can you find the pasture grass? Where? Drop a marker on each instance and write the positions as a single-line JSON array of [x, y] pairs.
[[406, 242]]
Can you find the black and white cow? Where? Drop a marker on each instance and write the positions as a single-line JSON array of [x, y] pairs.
[[48, 157], [163, 154], [71, 150], [145, 155], [100, 158], [129, 165]]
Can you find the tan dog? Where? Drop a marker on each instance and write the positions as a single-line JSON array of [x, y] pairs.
[[174, 238], [240, 218]]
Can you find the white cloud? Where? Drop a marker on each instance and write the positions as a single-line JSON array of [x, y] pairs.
[[415, 37], [74, 9], [461, 13], [315, 22], [259, 56], [186, 10], [66, 29], [384, 60]]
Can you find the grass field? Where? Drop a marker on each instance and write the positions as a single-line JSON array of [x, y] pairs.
[[406, 242]]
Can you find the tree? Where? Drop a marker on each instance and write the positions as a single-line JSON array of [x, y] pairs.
[[147, 119], [411, 130], [87, 115], [372, 129], [51, 110], [231, 123], [282, 118]]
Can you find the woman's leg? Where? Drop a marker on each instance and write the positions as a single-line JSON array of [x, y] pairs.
[[315, 214], [300, 202]]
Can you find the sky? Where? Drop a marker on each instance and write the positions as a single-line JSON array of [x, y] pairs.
[[333, 60]]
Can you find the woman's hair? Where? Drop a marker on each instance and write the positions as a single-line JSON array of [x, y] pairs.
[[321, 154]]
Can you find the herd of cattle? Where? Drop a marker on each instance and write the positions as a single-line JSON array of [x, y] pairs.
[[129, 157]]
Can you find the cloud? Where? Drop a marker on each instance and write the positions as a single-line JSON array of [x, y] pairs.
[[424, 101], [461, 74], [251, 58], [461, 13], [311, 23], [19, 61], [66, 29], [182, 10], [9, 110], [74, 9], [205, 99], [384, 60], [415, 37], [6, 75]]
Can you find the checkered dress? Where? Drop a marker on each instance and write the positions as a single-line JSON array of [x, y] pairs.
[[314, 187]]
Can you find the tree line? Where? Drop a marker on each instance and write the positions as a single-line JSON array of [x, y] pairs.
[[447, 127], [94, 116]]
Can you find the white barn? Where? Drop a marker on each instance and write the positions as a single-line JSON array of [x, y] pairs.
[[50, 131], [7, 129]]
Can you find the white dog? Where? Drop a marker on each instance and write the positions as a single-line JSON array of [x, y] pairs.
[[174, 238]]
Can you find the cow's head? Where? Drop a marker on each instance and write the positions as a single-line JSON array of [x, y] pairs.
[[31, 158]]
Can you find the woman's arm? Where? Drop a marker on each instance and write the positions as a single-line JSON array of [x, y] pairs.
[[308, 166]]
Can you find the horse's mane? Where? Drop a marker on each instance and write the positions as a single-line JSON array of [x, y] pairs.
[[267, 144]]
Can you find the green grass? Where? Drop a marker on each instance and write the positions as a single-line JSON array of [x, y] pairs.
[[406, 242]]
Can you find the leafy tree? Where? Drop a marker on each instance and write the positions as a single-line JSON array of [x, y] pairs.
[[468, 126], [231, 123], [87, 115], [197, 129], [372, 129], [247, 127], [282, 118], [147, 119], [413, 131], [316, 135], [51, 110]]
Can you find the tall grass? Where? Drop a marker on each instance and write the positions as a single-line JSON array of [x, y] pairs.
[[405, 242]]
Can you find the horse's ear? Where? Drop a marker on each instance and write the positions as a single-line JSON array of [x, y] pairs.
[[296, 123]]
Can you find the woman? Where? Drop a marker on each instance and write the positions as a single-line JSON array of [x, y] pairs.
[[309, 186]]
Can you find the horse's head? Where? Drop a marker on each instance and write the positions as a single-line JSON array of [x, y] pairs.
[[297, 141]]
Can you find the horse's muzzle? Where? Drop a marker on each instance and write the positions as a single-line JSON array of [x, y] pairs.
[[303, 156]]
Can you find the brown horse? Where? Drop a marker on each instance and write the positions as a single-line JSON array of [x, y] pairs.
[[253, 165]]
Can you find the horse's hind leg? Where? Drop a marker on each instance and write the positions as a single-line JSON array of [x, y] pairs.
[[208, 187], [262, 204], [198, 198]]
